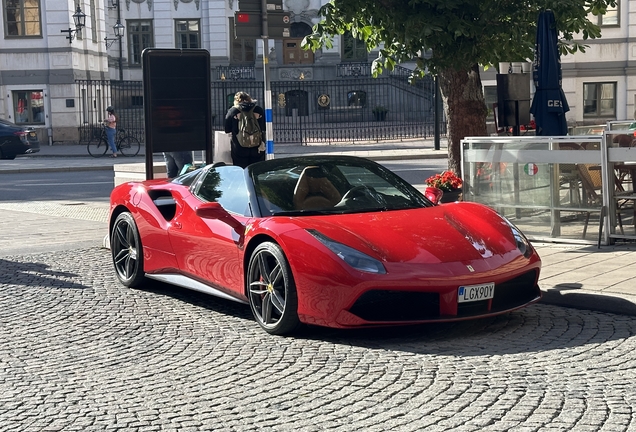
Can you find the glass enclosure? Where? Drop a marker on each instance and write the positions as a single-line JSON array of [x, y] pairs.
[[550, 187], [577, 189]]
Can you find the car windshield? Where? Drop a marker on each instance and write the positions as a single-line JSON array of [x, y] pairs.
[[330, 185]]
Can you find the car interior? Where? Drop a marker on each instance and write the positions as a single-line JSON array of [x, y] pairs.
[[314, 190]]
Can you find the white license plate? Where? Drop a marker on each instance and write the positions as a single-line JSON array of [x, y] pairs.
[[470, 293]]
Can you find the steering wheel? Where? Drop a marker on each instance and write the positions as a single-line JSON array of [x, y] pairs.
[[355, 193]]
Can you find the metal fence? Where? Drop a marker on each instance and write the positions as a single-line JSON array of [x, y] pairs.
[[343, 110]]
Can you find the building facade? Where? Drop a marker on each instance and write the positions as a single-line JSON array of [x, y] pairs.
[[40, 64]]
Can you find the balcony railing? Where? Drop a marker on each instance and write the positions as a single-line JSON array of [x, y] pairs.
[[235, 73], [355, 70]]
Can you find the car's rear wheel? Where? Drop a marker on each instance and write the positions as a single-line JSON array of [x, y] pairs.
[[6, 155], [271, 290], [125, 246]]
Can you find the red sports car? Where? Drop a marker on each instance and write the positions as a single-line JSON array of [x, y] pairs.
[[325, 240]]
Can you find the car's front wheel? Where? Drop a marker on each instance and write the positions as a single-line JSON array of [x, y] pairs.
[[125, 245], [271, 290]]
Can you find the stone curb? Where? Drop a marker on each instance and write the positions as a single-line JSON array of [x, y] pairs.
[[623, 304]]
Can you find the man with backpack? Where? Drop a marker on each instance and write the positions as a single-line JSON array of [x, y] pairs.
[[246, 122]]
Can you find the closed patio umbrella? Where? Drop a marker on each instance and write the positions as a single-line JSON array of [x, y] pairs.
[[549, 104]]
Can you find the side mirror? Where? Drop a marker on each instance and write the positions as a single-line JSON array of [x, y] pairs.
[[433, 194], [214, 210]]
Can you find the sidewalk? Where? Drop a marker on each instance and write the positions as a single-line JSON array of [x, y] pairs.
[[573, 275]]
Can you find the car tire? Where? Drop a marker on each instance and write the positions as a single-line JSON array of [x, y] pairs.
[[127, 252], [271, 290]]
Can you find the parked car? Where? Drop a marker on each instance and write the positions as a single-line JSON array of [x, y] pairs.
[[334, 241], [17, 140]]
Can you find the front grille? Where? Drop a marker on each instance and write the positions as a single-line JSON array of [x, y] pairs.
[[516, 292], [472, 308], [381, 305]]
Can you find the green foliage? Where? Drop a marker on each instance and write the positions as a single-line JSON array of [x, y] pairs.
[[442, 34]]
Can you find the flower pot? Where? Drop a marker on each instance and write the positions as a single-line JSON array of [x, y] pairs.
[[451, 196]]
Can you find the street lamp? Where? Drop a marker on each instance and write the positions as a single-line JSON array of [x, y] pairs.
[[79, 19], [118, 29]]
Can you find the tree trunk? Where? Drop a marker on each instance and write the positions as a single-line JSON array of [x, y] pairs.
[[464, 107]]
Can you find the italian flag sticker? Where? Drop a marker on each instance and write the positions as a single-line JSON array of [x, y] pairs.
[[531, 169]]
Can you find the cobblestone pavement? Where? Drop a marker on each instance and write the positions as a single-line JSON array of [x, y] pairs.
[[38, 226], [80, 352]]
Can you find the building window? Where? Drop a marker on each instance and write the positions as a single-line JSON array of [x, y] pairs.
[[22, 18], [93, 18], [139, 37], [242, 50], [599, 100], [28, 107], [353, 49], [188, 35], [610, 18]]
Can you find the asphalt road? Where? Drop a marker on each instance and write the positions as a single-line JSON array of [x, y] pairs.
[[55, 186], [97, 185]]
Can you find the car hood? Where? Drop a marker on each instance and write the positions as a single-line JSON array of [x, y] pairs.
[[446, 233]]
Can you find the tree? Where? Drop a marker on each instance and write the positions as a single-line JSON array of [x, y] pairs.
[[452, 39]]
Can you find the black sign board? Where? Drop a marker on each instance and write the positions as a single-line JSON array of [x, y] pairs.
[[249, 25], [177, 102]]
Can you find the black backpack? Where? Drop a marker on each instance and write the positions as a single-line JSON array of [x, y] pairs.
[[249, 132]]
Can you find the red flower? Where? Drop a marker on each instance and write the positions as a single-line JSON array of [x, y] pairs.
[[446, 181]]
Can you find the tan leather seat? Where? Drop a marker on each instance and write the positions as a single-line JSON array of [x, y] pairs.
[[313, 190]]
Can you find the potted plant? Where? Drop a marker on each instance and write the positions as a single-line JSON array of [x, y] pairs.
[[379, 113], [449, 183]]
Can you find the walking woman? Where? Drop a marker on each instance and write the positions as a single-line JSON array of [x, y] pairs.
[[111, 129]]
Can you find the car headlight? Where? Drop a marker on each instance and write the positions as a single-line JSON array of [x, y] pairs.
[[354, 258], [523, 244]]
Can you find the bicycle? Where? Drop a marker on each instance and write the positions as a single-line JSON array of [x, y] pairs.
[[126, 144]]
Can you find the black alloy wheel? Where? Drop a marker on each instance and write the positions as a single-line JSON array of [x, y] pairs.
[[125, 245], [271, 290]]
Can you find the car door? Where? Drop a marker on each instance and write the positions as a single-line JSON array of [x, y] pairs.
[[10, 144], [209, 248]]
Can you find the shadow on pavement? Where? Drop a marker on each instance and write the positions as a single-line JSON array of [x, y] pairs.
[[36, 274]]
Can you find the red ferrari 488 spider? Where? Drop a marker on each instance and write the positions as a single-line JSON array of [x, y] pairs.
[[325, 240]]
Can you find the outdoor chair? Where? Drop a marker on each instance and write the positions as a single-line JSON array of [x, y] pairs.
[[592, 183]]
